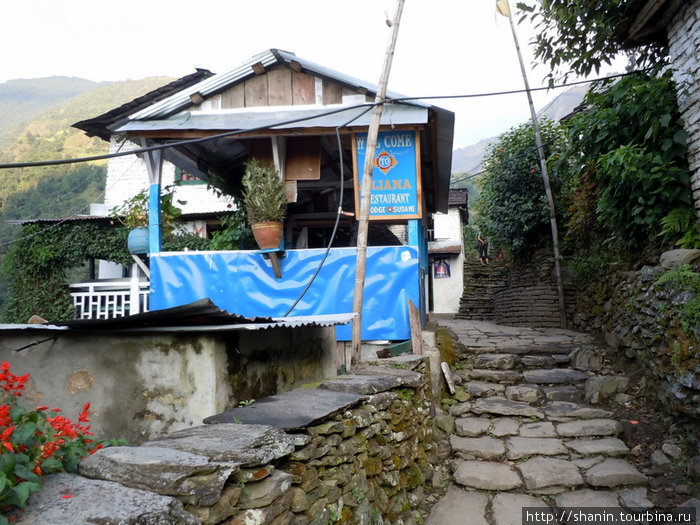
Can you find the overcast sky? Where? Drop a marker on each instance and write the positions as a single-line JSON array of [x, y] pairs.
[[444, 47]]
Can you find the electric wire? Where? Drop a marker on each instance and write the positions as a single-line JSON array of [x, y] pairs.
[[367, 106], [294, 121]]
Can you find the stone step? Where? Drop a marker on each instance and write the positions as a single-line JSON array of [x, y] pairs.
[[588, 428], [554, 376], [505, 407], [497, 376]]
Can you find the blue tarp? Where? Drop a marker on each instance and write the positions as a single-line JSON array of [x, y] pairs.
[[243, 282]]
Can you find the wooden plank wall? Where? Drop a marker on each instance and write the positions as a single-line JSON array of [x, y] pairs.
[[280, 86]]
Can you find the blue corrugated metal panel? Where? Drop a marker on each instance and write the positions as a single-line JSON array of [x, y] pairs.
[[243, 282]]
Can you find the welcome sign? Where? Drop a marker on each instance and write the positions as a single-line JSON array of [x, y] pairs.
[[396, 191]]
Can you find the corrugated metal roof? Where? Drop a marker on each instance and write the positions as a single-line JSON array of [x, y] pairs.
[[97, 126], [448, 247], [199, 316], [268, 118], [267, 58]]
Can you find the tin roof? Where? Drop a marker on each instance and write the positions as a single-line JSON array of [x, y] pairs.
[[199, 316]]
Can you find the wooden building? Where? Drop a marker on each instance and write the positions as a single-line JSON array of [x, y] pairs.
[[311, 122]]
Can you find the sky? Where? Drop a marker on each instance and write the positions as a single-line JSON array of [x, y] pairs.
[[444, 47]]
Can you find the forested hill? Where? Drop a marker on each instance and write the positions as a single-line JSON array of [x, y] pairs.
[[36, 125]]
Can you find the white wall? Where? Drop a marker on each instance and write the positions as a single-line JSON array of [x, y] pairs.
[[127, 175], [448, 291]]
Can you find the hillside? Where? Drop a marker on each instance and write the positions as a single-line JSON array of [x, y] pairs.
[[47, 134], [21, 99], [468, 160]]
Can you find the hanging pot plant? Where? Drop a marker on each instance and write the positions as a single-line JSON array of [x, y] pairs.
[[265, 202]]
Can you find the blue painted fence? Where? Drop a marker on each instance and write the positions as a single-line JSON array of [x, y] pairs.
[[242, 282]]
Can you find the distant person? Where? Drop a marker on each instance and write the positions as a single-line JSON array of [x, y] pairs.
[[482, 244]]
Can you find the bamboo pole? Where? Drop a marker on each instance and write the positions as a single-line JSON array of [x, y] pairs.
[[545, 175], [366, 189]]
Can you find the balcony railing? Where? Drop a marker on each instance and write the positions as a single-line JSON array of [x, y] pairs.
[[110, 298]]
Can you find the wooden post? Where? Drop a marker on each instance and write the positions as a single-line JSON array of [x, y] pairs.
[[366, 189], [545, 173]]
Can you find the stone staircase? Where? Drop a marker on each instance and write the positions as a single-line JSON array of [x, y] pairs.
[[525, 431], [481, 283]]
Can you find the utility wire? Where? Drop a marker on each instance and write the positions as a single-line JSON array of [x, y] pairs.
[[292, 121]]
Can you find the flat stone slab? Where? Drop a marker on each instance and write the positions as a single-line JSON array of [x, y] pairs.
[[586, 498], [526, 393], [292, 410], [590, 447], [486, 475], [505, 426], [484, 388], [249, 445], [507, 509], [459, 507], [538, 360], [540, 472], [497, 376], [523, 447], [589, 427], [482, 447], [635, 498], [563, 393], [540, 429], [362, 384], [554, 376], [164, 471], [407, 377], [614, 472], [72, 499], [577, 410], [504, 407], [495, 361], [471, 426]]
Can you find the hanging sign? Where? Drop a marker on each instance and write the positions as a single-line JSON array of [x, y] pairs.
[[396, 190]]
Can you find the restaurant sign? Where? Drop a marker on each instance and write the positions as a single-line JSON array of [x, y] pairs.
[[396, 191]]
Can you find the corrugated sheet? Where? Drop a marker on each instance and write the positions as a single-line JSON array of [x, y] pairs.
[[304, 117], [267, 58], [199, 316]]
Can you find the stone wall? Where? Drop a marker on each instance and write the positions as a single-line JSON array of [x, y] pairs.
[[366, 461], [640, 319], [143, 385], [684, 50]]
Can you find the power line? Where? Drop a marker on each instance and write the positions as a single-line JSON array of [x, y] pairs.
[[291, 121]]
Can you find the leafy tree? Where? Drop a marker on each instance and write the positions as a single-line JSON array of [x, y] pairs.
[[628, 151], [579, 36], [512, 207]]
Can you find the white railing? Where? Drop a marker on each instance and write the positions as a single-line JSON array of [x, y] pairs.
[[110, 298]]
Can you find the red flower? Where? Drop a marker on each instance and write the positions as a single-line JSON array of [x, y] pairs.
[[42, 407]]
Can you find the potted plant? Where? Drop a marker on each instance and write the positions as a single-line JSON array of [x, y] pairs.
[[133, 213], [265, 203]]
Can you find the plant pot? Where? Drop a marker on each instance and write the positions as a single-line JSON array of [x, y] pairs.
[[267, 234], [137, 241]]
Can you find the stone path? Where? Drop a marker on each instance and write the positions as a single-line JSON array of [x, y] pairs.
[[529, 434]]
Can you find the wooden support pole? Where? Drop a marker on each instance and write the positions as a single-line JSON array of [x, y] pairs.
[[366, 188], [545, 177]]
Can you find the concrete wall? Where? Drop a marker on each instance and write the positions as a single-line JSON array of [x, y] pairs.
[[142, 386], [684, 40]]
